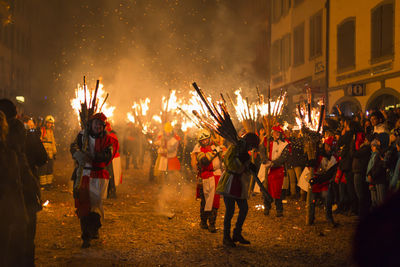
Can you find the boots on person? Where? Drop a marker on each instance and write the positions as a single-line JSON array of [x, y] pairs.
[[86, 243], [237, 237], [227, 241], [310, 216], [279, 213], [329, 218], [203, 217], [266, 211], [211, 219]]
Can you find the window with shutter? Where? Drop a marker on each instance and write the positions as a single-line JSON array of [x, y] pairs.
[[316, 35], [297, 2], [298, 45], [277, 10], [346, 50], [382, 31], [285, 52], [285, 7], [276, 58]]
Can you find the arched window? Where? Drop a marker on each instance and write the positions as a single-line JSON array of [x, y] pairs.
[[382, 31], [346, 49]]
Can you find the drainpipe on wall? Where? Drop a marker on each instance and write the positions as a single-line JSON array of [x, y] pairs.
[[327, 6]]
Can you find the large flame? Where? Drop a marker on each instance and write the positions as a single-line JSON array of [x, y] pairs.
[[101, 97], [313, 124], [245, 110], [171, 102]]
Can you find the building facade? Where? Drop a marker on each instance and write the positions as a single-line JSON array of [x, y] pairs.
[[364, 64], [360, 71], [298, 48], [15, 51]]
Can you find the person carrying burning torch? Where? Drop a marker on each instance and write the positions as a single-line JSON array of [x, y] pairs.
[[94, 181], [275, 157], [234, 186], [208, 158]]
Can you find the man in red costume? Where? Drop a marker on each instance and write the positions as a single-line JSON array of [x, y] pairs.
[[275, 158], [93, 185], [208, 158]]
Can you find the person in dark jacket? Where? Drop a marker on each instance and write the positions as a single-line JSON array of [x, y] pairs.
[[361, 155], [13, 226], [35, 152], [376, 239], [395, 178], [376, 176], [348, 199], [380, 129], [16, 140]]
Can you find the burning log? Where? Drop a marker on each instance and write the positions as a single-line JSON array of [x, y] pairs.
[[309, 105], [322, 115]]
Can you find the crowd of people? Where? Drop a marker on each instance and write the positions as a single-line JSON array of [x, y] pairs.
[[350, 169]]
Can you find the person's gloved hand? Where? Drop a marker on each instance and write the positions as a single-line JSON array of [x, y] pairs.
[[217, 149], [80, 157], [253, 168]]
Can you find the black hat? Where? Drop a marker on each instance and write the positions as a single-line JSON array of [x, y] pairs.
[[251, 140]]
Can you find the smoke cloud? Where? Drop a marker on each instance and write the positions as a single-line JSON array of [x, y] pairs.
[[145, 48]]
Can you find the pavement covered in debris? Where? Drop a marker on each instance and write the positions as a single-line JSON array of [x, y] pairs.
[[150, 224]]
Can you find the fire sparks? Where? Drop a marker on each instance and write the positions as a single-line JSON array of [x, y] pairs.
[[260, 207]]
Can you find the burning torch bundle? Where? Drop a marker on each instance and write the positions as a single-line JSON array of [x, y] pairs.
[[220, 122], [246, 113], [271, 110], [86, 104], [311, 124]]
